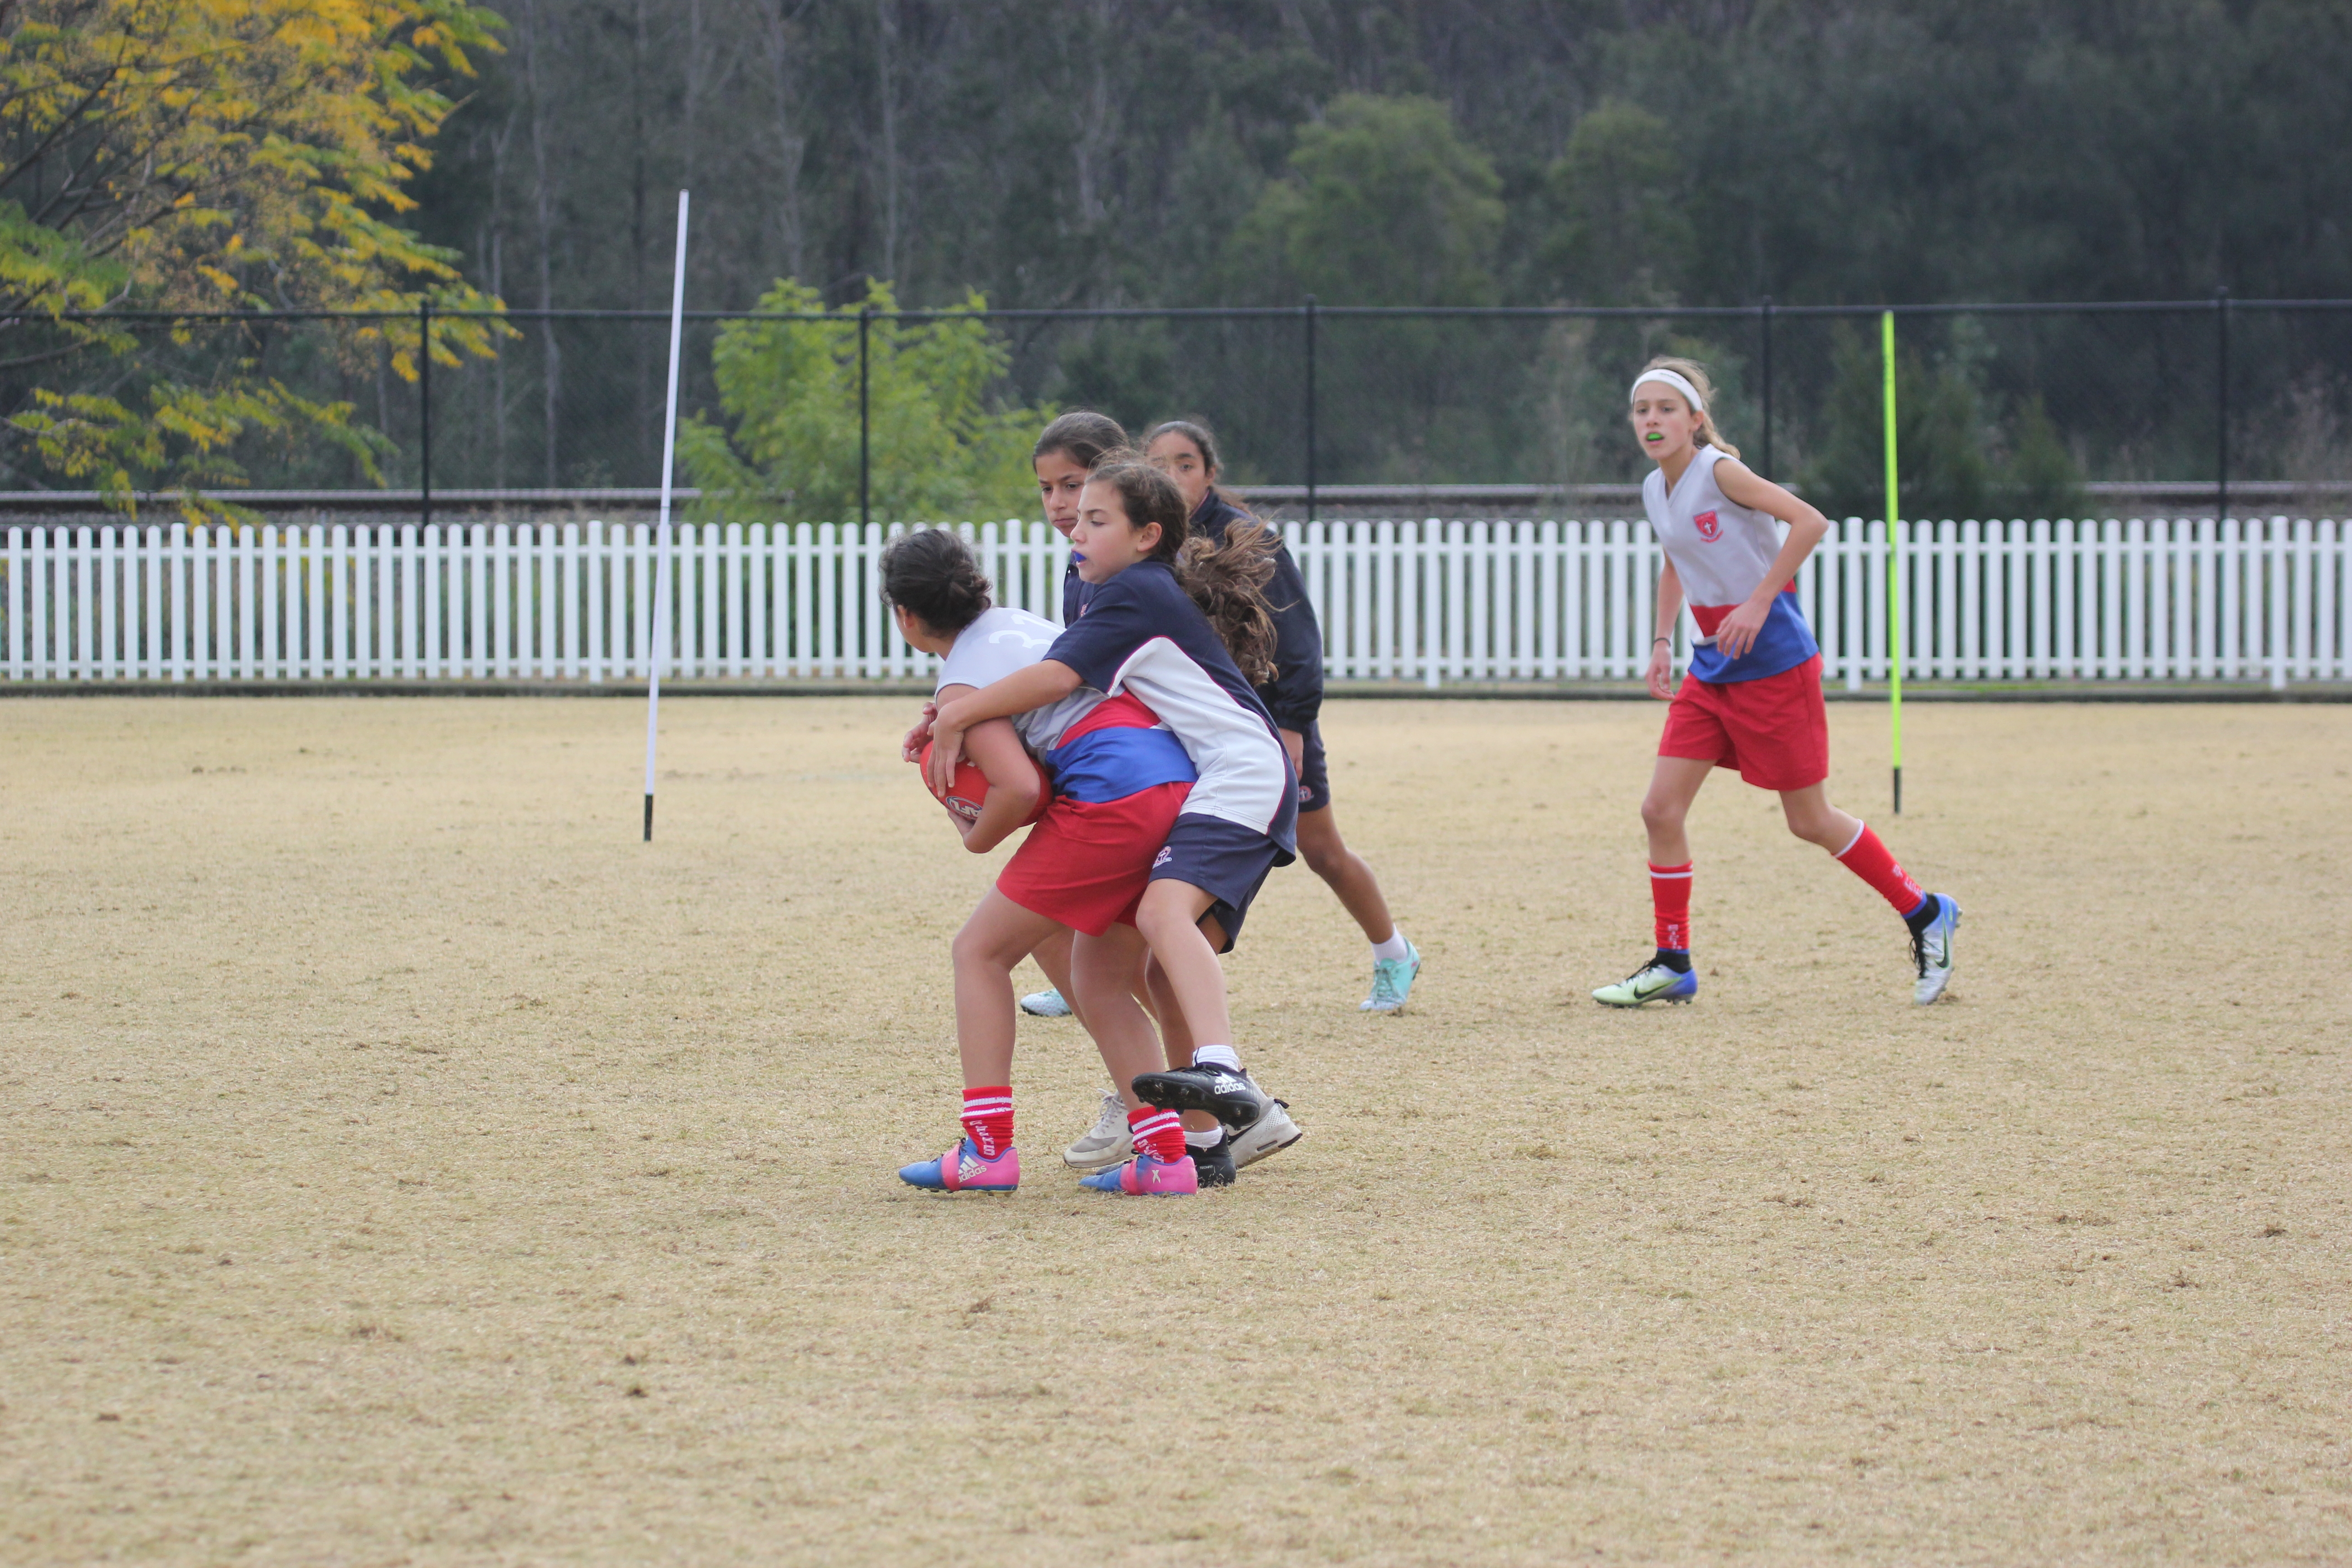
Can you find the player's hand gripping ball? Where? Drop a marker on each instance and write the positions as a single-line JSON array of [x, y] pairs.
[[967, 794]]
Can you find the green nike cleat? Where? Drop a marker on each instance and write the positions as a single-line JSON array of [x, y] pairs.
[[1651, 983]]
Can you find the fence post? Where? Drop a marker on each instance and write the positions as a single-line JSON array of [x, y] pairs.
[[1764, 320], [2221, 400], [1310, 311], [424, 405], [864, 496]]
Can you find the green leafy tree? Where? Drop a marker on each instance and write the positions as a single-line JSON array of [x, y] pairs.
[[1944, 443], [1387, 203], [187, 154], [1939, 437], [944, 445], [2043, 478], [1621, 231]]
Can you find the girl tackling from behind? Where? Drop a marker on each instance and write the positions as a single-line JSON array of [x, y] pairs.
[[1143, 634], [1752, 699], [1118, 779]]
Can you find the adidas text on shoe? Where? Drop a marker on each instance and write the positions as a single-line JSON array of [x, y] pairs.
[[1106, 1142], [1931, 950], [1651, 983], [1392, 981], [1232, 1098], [1144, 1176], [961, 1170]]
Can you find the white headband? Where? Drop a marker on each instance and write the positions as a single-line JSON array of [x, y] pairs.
[[1698, 404]]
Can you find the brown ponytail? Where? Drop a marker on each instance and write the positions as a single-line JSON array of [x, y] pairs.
[[1228, 581]]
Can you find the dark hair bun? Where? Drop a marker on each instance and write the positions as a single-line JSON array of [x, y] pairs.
[[932, 575]]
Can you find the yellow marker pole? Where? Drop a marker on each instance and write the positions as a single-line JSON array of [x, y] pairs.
[[1894, 568]]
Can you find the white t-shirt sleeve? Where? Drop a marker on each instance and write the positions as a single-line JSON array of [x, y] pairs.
[[1001, 643]]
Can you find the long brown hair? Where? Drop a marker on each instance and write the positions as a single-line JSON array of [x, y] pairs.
[[1227, 579]]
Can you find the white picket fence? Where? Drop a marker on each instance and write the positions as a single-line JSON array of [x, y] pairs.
[[1429, 602]]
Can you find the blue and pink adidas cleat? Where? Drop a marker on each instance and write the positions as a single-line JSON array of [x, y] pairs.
[[961, 1170], [1144, 1176]]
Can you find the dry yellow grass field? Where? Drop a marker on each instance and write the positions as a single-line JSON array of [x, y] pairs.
[[402, 1163]]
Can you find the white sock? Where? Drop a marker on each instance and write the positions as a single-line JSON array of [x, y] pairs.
[[1396, 947], [1207, 1139], [1217, 1055]]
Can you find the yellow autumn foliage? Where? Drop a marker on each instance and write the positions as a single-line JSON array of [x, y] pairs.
[[208, 155]]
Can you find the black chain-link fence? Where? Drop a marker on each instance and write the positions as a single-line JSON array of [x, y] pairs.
[[2009, 411]]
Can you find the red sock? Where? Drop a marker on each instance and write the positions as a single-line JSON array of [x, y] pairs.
[[987, 1119], [1159, 1133], [1867, 858], [1670, 897]]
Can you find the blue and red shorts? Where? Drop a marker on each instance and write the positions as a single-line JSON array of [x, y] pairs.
[[1120, 780], [1087, 863], [1774, 730]]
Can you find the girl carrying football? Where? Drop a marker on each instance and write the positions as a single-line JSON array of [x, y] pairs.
[[1066, 452], [1143, 634], [1752, 699], [1118, 780]]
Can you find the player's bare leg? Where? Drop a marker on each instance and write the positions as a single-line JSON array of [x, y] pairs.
[[1668, 976], [1931, 918]]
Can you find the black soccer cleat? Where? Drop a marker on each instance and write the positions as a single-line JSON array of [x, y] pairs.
[[1231, 1097], [1213, 1165]]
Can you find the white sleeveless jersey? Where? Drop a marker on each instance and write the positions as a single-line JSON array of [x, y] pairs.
[[1721, 551]]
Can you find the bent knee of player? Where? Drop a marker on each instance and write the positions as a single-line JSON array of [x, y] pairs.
[[978, 948], [1659, 811]]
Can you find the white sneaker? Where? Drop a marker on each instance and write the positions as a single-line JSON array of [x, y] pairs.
[[1045, 1004], [1106, 1143], [1931, 951], [1270, 1133]]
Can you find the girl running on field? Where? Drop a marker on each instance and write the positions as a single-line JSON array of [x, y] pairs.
[[1752, 699], [1119, 779], [1187, 453], [1142, 635]]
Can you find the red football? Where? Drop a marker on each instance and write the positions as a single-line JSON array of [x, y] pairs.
[[967, 794]]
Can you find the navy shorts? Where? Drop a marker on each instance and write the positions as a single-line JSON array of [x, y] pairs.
[[1314, 771], [1223, 859]]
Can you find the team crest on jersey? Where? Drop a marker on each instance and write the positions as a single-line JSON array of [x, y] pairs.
[[1708, 529], [1165, 855]]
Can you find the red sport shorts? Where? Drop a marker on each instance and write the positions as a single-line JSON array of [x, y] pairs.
[[1773, 731], [1087, 863]]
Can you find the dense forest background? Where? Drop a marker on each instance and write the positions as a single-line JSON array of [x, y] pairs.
[[1645, 152], [1657, 154], [1071, 152]]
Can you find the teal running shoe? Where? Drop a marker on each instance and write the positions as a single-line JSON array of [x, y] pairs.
[[1045, 1004], [1651, 983], [1931, 950], [1392, 981]]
